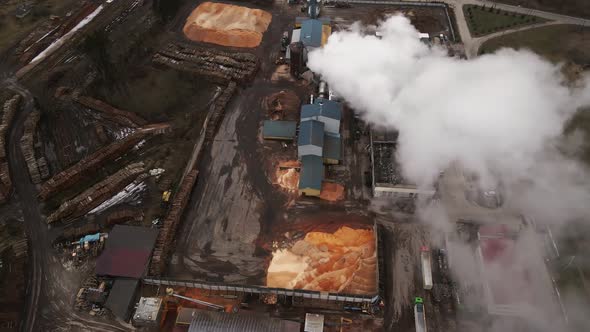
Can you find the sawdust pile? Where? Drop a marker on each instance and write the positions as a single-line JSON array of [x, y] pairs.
[[227, 25], [332, 192], [288, 179], [342, 262]]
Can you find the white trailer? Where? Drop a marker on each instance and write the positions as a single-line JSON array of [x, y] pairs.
[[425, 259]]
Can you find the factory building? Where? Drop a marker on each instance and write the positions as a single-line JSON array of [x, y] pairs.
[[387, 179], [312, 174], [311, 139], [279, 130], [319, 137], [324, 110], [125, 258], [307, 35], [332, 149]]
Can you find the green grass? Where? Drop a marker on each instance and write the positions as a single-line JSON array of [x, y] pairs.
[[555, 42], [486, 20]]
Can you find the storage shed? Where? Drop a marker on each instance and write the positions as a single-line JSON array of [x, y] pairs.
[[279, 130]]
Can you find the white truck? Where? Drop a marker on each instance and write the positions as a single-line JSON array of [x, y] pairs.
[[425, 259], [419, 315]]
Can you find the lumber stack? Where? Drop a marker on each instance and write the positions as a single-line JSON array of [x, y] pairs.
[[170, 225], [8, 112], [97, 194], [93, 162]]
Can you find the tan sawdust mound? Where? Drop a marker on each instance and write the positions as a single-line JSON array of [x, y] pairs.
[[343, 261], [288, 179], [227, 25], [332, 191]]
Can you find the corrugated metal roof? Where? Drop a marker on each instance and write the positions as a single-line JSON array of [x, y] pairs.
[[127, 251], [312, 172], [311, 133], [311, 33], [211, 321], [122, 296], [322, 107], [332, 147], [279, 129]]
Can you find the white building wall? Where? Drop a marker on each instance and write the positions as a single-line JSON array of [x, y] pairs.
[[306, 150], [331, 126]]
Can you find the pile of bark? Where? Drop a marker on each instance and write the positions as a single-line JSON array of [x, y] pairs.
[[218, 66], [27, 145], [170, 225], [90, 164], [98, 193], [108, 112], [219, 110], [8, 111]]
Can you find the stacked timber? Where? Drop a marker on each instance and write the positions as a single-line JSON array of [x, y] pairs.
[[218, 66], [97, 194], [170, 225], [219, 110], [91, 163], [9, 240], [122, 216], [8, 111], [124, 118], [27, 145]]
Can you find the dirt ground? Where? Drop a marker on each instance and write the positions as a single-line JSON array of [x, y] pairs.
[[227, 25], [12, 29], [577, 8]]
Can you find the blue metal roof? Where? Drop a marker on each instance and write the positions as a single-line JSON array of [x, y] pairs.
[[311, 132], [311, 33], [322, 107], [312, 172], [332, 147], [279, 129]]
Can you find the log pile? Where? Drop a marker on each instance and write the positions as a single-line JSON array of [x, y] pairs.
[[98, 193], [122, 216], [219, 110], [91, 163], [8, 111], [8, 240], [218, 66], [168, 230], [108, 112], [27, 145]]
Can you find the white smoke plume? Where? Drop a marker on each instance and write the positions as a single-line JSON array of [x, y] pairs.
[[499, 115]]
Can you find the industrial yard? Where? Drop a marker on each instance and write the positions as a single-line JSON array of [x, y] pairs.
[[177, 166]]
